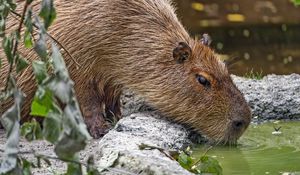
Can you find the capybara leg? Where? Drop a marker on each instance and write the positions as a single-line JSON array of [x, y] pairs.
[[112, 103], [96, 124], [92, 106]]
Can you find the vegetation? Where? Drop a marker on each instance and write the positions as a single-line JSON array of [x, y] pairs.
[[204, 165], [254, 75], [296, 2], [54, 99]]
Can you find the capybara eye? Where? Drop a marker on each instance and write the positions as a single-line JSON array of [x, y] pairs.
[[202, 80]]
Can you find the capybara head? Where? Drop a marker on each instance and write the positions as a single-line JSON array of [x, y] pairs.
[[214, 106], [179, 76]]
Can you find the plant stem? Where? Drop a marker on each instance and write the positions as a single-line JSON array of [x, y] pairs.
[[37, 155], [55, 40], [16, 43], [202, 156]]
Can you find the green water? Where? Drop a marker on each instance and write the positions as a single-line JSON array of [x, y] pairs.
[[260, 152]]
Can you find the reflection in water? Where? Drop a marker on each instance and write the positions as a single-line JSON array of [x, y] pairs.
[[261, 152]]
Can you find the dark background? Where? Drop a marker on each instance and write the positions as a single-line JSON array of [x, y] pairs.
[[255, 35]]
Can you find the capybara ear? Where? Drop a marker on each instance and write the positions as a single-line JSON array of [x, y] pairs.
[[206, 39], [182, 52]]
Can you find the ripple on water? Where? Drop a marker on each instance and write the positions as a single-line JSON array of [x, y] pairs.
[[261, 152]]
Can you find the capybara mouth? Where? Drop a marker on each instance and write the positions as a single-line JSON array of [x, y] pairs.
[[235, 130], [229, 139], [229, 136]]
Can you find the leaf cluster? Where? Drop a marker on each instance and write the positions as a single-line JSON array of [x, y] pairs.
[[204, 165], [254, 75], [54, 100], [296, 2]]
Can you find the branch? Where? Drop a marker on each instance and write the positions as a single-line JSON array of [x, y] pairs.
[[209, 148], [38, 155], [55, 40], [149, 147], [16, 42]]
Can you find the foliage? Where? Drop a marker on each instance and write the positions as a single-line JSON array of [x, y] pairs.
[[254, 75], [296, 2], [54, 99], [204, 165]]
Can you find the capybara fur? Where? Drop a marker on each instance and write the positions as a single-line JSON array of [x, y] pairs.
[[142, 46]]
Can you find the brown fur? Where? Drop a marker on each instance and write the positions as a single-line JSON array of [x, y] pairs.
[[129, 44]]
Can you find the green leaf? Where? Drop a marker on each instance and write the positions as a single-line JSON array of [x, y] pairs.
[[75, 135], [41, 47], [58, 63], [47, 12], [12, 4], [42, 103], [28, 21], [21, 64], [38, 110], [185, 160], [8, 45], [26, 166], [31, 131], [209, 165], [10, 121], [6, 6], [2, 26], [29, 29], [74, 169], [40, 71], [70, 144], [296, 2], [28, 39], [61, 89], [52, 127]]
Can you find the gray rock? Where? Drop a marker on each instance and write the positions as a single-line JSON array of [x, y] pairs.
[[137, 129], [132, 103], [273, 97]]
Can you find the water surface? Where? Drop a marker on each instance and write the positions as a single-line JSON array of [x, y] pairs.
[[261, 152]]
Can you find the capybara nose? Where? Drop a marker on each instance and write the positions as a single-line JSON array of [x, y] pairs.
[[239, 124]]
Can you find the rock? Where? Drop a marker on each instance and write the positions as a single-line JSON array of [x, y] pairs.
[[275, 97], [118, 151], [143, 128], [132, 103]]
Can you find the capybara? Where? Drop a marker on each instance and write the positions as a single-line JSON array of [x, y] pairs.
[[142, 46]]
